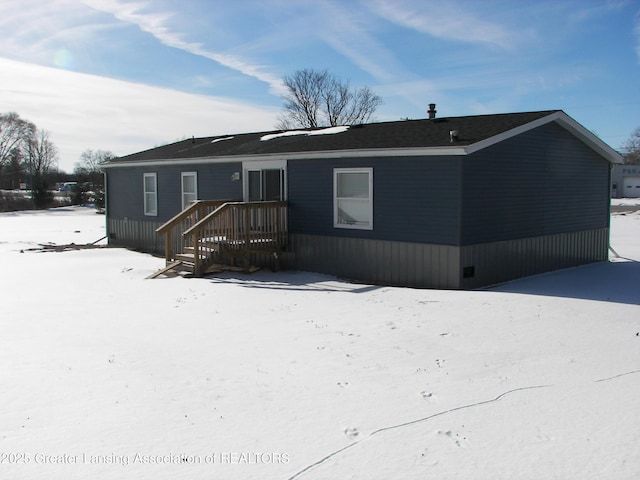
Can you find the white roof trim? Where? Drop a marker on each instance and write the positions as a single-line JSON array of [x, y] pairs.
[[369, 152], [561, 118]]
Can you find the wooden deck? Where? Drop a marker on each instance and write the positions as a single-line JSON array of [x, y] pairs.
[[218, 231]]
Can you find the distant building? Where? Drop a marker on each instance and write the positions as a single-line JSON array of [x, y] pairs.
[[625, 181]]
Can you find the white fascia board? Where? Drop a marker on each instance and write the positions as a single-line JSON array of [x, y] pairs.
[[589, 138], [329, 154], [566, 122]]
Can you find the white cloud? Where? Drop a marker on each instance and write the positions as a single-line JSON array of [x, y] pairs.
[[34, 31], [347, 32], [156, 25], [84, 111], [444, 20]]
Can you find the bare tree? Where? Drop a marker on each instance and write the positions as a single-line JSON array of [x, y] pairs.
[[89, 166], [319, 99], [88, 170], [40, 156], [13, 171], [631, 148], [14, 131], [40, 153]]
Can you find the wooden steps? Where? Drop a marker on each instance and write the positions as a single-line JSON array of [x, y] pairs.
[[171, 270], [181, 268], [223, 232]]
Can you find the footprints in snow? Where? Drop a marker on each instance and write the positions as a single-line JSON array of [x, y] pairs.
[[351, 433], [183, 300], [457, 439]]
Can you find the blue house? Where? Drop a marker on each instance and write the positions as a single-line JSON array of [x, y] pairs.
[[457, 202]]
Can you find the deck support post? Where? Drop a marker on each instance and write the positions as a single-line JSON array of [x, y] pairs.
[[195, 238]]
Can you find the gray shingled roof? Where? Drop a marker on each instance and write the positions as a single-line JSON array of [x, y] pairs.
[[384, 135]]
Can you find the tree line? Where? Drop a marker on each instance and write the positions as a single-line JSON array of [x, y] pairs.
[[29, 160]]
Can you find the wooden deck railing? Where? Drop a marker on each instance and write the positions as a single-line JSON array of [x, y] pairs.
[[173, 229], [236, 229]]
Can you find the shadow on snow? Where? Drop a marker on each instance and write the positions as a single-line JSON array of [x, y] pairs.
[[292, 280], [617, 282]]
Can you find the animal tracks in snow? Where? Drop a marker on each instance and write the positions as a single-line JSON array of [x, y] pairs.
[[185, 299], [457, 439], [352, 433]]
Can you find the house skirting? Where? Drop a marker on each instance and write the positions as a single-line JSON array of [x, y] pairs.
[[497, 262], [136, 235], [376, 261], [444, 266], [404, 263]]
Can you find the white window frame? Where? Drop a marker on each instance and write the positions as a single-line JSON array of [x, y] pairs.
[[150, 197], [186, 202], [336, 199], [252, 166]]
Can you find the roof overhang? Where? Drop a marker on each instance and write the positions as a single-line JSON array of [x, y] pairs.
[[559, 117], [327, 154], [566, 122]]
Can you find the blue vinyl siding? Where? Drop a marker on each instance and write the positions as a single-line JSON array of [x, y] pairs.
[[542, 182], [415, 199], [125, 194]]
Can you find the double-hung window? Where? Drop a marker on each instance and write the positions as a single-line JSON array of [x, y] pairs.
[[150, 194], [353, 198], [189, 188]]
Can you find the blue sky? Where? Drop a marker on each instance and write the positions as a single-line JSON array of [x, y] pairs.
[[129, 75]]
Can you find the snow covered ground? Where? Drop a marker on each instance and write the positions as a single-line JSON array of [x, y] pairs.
[[625, 201], [106, 375]]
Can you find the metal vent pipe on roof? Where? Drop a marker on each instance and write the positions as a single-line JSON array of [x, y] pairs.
[[432, 110]]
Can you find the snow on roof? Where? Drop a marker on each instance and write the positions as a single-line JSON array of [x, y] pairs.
[[221, 139], [324, 131]]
